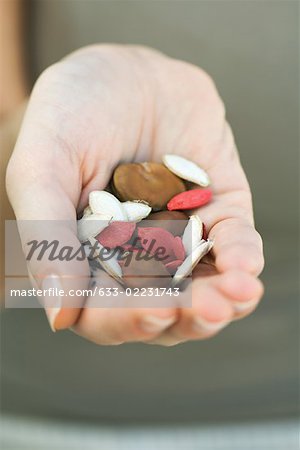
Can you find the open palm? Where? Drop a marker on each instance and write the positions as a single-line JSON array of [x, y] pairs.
[[105, 104]]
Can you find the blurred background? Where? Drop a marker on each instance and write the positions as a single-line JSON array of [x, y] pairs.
[[248, 373]]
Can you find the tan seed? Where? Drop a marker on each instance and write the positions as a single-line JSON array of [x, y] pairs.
[[148, 181]]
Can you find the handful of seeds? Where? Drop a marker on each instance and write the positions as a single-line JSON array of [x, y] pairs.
[[147, 238]]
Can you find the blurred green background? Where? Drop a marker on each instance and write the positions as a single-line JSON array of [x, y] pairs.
[[250, 370]]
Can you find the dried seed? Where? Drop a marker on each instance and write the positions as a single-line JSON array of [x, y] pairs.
[[186, 169], [158, 241], [90, 226], [172, 266], [116, 234], [87, 211], [87, 249], [148, 181], [128, 248], [168, 215], [110, 264], [127, 251], [172, 221], [102, 202], [190, 199], [192, 234], [136, 211], [178, 248], [112, 267], [145, 273], [191, 261]]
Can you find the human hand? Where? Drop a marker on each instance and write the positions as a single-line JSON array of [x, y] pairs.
[[105, 104]]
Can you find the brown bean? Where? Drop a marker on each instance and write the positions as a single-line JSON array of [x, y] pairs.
[[148, 181], [173, 221], [141, 272]]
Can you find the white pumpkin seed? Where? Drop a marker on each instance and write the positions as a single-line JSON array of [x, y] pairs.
[[110, 265], [90, 226], [87, 211], [102, 202], [192, 234], [136, 211], [191, 261], [186, 169], [87, 249]]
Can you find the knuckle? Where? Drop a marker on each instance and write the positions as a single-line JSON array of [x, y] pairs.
[[48, 76], [205, 86]]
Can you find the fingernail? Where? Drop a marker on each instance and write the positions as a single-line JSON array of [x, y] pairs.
[[52, 296], [153, 324], [204, 326], [51, 314], [243, 306]]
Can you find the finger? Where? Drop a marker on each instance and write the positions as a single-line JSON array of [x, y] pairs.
[[117, 322], [114, 326], [44, 241], [216, 300], [211, 312], [237, 245], [43, 203], [243, 290], [229, 216]]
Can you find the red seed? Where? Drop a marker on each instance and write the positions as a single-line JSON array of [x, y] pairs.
[[179, 248], [127, 247], [173, 265], [116, 234], [190, 199], [154, 237]]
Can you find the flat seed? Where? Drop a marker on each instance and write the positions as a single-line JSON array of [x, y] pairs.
[[145, 273], [191, 261], [90, 226], [110, 264], [186, 169], [87, 211], [158, 241], [173, 265], [128, 248], [102, 202], [136, 211], [178, 248], [148, 181], [172, 221], [116, 234], [190, 199], [192, 234]]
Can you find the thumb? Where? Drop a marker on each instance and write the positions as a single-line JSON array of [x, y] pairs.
[[46, 220]]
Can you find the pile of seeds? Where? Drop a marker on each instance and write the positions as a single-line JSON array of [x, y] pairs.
[[120, 222]]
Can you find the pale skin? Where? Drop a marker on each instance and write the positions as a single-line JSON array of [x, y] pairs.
[[104, 104]]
